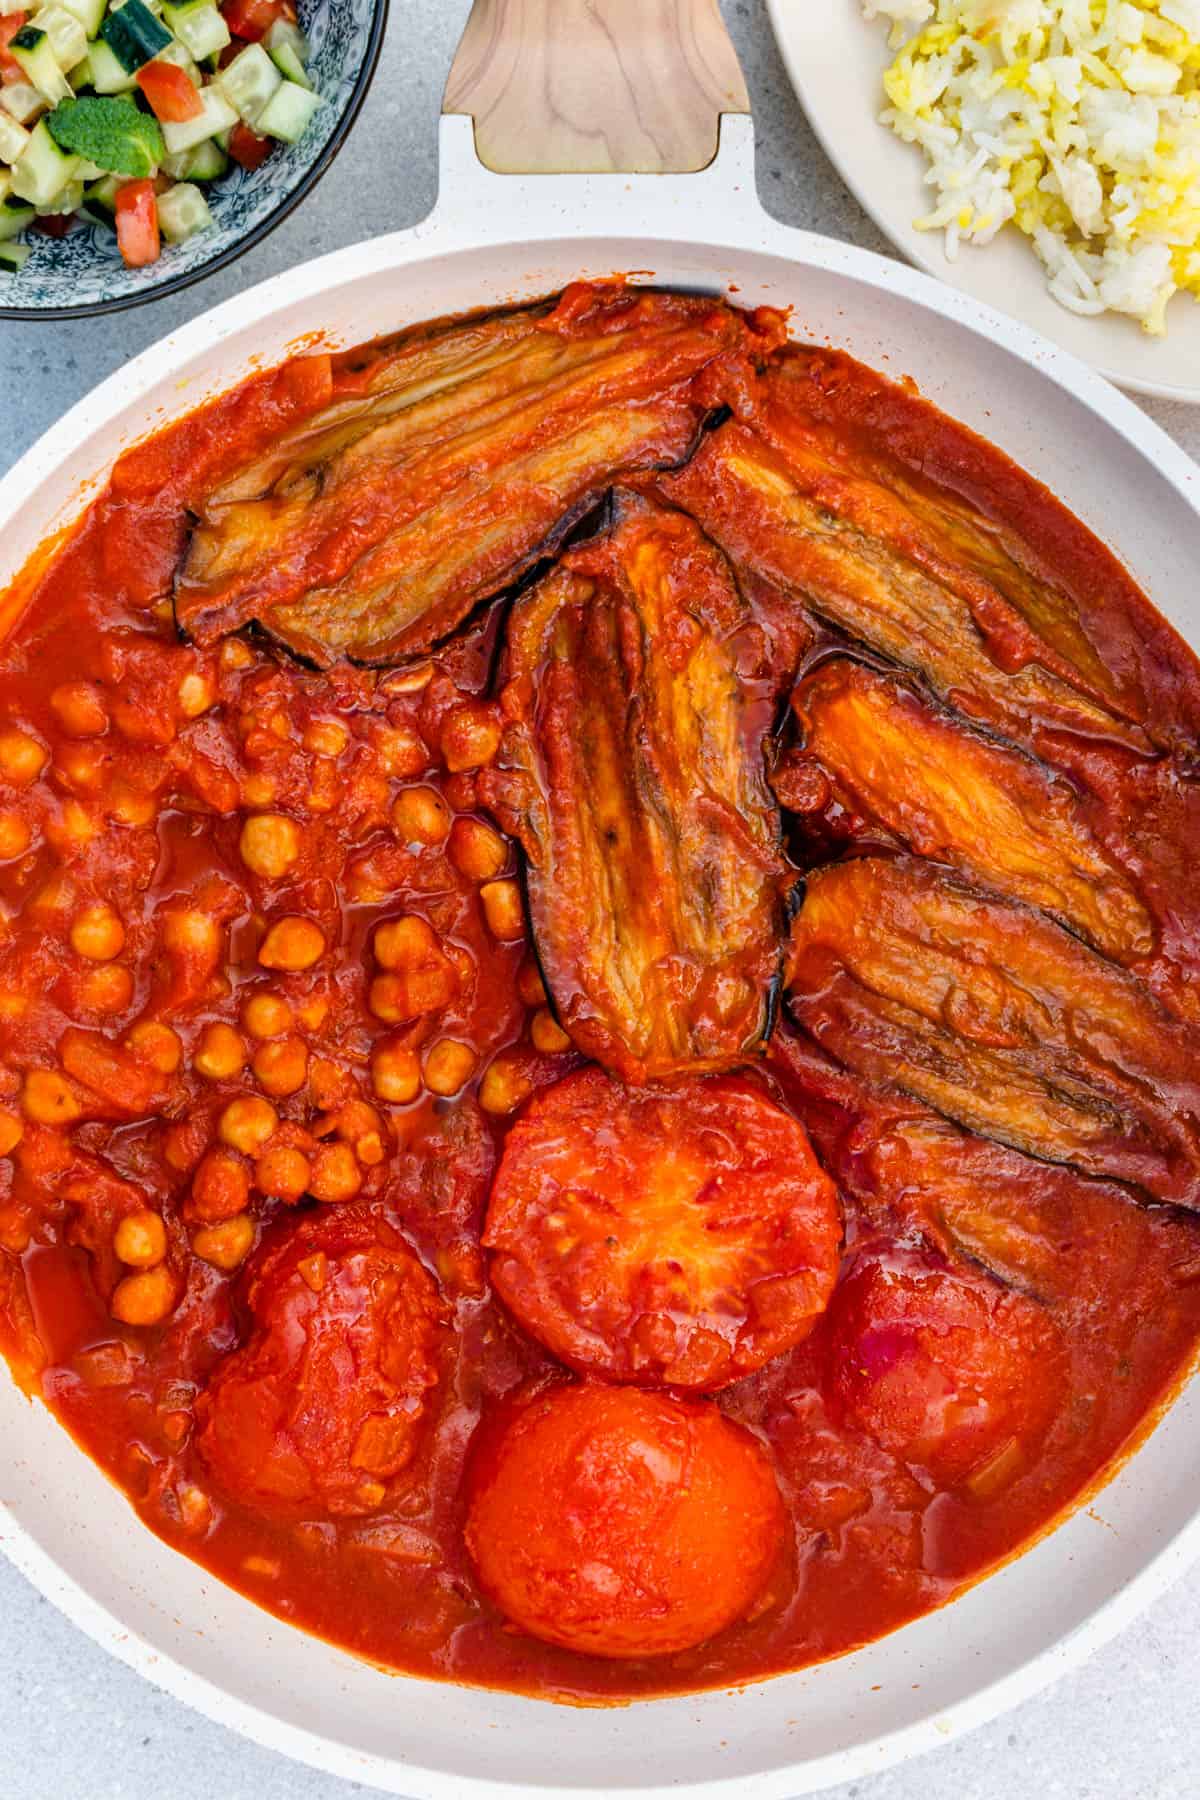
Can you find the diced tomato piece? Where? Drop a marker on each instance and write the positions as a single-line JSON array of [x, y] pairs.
[[10, 24], [173, 95], [54, 225], [137, 223], [253, 19], [246, 147]]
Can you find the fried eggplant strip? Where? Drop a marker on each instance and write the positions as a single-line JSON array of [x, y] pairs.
[[999, 1019], [371, 530], [847, 551], [632, 772], [905, 1171], [950, 794], [981, 509]]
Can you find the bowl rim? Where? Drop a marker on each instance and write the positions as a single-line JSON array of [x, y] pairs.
[[265, 226]]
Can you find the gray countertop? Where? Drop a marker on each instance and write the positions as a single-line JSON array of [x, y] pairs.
[[74, 1725]]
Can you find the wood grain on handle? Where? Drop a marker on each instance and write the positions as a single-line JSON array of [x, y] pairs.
[[592, 86]]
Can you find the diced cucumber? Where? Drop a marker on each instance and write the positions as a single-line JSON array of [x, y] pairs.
[[21, 101], [181, 57], [5, 185], [14, 256], [33, 50], [68, 39], [288, 113], [199, 26], [215, 115], [182, 212], [69, 200], [42, 170], [14, 219], [248, 82], [108, 75], [206, 162], [88, 12], [111, 134], [287, 47], [134, 35], [80, 76], [100, 199], [13, 138], [12, 6]]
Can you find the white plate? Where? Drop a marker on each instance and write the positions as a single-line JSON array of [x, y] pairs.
[[836, 61]]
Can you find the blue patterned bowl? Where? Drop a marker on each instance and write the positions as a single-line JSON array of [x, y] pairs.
[[67, 278]]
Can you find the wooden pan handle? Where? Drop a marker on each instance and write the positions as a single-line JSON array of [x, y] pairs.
[[595, 86]]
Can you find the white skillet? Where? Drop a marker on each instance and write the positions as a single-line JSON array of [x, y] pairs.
[[493, 238], [836, 62]]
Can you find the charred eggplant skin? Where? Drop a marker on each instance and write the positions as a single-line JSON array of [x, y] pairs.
[[436, 476], [850, 554], [999, 1019], [951, 794], [639, 691]]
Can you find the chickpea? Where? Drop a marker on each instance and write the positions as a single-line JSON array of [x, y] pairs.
[[220, 1188], [81, 766], [80, 709], [476, 850], [49, 1099], [449, 1065], [505, 1085], [15, 836], [470, 736], [281, 1067], [404, 943], [235, 654], [395, 1073], [129, 805], [292, 943], [145, 1298], [547, 1034], [259, 788], [420, 816], [326, 737], [74, 827], [141, 1239], [402, 751], [269, 844], [502, 910], [313, 1012], [106, 988], [221, 1054], [183, 1144], [98, 933], [282, 1173], [247, 1123], [397, 998], [195, 694], [156, 1044], [22, 758], [335, 1174], [227, 1245], [266, 1015], [530, 986], [11, 1132]]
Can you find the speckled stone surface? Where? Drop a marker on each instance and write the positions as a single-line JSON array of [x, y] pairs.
[[74, 1725]]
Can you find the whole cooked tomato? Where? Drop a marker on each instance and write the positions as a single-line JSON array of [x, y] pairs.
[[620, 1522], [325, 1401], [681, 1235], [947, 1370]]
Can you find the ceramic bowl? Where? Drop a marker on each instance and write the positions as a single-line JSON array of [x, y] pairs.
[[82, 273]]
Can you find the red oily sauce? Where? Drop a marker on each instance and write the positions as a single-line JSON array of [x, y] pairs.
[[269, 1009]]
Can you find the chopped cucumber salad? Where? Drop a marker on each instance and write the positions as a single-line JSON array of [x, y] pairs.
[[122, 111]]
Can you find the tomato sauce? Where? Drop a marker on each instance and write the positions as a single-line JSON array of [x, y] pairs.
[[137, 906]]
